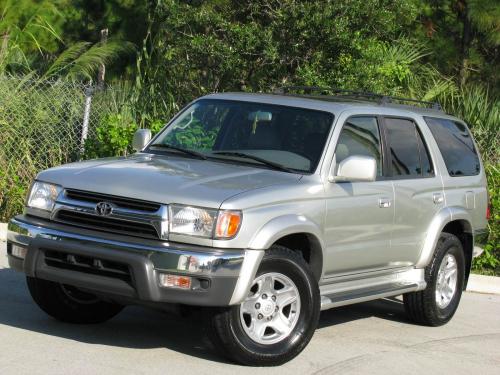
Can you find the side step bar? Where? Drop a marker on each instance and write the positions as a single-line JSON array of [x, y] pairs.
[[361, 288], [368, 294]]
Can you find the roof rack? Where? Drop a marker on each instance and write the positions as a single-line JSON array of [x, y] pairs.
[[333, 92]]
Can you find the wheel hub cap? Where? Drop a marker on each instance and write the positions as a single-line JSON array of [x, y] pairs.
[[271, 311], [446, 285]]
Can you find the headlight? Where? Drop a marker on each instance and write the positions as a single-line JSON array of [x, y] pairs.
[[192, 221], [204, 222], [43, 196]]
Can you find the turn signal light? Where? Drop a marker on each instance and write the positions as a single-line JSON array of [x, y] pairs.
[[228, 224], [19, 251], [175, 281]]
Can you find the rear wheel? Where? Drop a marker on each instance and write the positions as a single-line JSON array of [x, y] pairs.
[[70, 304], [437, 304], [277, 319]]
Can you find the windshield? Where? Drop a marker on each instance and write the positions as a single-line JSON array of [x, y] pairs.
[[285, 138]]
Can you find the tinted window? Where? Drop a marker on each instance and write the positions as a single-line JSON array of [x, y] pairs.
[[360, 136], [289, 136], [456, 146], [409, 156], [425, 159]]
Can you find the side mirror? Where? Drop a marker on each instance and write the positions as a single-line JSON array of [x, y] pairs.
[[356, 168], [141, 139]]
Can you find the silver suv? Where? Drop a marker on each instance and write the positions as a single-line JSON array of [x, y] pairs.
[[263, 210]]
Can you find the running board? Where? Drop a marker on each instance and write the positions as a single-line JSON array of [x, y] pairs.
[[343, 293]]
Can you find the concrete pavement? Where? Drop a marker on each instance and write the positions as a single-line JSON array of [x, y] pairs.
[[372, 337]]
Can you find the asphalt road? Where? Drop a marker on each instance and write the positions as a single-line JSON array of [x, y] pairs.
[[373, 338]]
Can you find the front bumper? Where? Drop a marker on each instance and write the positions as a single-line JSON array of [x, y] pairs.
[[128, 269]]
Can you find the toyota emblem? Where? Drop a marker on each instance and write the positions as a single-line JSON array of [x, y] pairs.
[[104, 208]]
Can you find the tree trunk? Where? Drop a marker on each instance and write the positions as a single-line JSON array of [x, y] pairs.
[[102, 68], [466, 41]]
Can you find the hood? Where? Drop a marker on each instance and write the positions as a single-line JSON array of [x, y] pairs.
[[165, 179]]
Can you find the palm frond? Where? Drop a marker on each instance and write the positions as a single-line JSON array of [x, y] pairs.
[[66, 59], [87, 63]]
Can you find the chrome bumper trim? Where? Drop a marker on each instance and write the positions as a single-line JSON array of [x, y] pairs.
[[229, 272]]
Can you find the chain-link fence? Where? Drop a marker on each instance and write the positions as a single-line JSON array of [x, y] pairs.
[[42, 124]]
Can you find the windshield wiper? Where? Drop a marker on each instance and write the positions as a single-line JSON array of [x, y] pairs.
[[256, 158], [196, 154]]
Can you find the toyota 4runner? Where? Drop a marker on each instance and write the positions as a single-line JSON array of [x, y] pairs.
[[263, 210]]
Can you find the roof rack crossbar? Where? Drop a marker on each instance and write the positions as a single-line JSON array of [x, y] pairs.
[[343, 93]]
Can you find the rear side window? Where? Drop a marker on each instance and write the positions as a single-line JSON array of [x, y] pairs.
[[456, 146], [408, 155]]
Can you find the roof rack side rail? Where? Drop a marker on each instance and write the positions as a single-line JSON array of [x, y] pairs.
[[343, 93]]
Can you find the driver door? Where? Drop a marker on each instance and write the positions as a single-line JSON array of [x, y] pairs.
[[360, 215]]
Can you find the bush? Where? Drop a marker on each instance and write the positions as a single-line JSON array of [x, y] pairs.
[[113, 136], [489, 262]]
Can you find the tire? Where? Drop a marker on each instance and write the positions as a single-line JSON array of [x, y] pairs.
[[229, 328], [429, 307], [69, 304]]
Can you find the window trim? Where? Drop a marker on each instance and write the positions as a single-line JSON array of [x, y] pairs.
[[388, 155]]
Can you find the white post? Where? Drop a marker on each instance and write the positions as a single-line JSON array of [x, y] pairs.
[[86, 117]]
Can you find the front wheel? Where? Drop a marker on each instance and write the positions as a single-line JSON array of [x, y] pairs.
[[277, 319], [70, 304]]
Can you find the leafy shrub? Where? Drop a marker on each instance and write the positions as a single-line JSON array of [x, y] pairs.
[[114, 135], [489, 261]]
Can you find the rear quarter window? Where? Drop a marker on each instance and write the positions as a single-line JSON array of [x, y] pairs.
[[456, 145]]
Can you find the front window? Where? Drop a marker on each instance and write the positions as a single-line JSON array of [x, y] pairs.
[[286, 138]]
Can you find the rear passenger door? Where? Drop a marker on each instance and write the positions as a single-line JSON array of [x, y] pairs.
[[417, 187]]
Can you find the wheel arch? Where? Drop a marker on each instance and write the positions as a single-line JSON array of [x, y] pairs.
[[453, 220], [297, 233]]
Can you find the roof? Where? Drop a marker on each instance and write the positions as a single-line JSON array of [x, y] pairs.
[[330, 104]]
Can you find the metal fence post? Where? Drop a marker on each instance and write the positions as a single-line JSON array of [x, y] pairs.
[[86, 116]]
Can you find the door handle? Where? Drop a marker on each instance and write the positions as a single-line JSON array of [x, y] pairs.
[[384, 203], [437, 198]]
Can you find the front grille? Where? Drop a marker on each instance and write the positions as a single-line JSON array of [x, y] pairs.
[[106, 224], [86, 264], [128, 203]]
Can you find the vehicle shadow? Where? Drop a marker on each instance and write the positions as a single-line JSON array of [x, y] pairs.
[[141, 328]]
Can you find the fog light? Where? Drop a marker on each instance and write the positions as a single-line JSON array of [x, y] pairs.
[[19, 251], [175, 281]]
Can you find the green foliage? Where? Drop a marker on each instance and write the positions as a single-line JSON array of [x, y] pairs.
[[192, 48], [112, 137], [39, 125], [489, 261], [464, 36], [82, 60]]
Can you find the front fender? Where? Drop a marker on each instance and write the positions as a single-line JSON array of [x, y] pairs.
[[435, 228], [282, 226]]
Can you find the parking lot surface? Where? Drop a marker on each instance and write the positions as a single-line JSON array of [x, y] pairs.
[[368, 338]]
